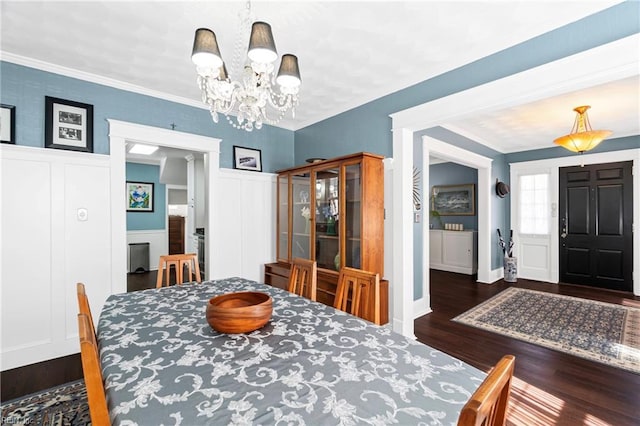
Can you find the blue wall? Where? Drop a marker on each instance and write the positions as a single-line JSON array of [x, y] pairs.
[[140, 221], [26, 88], [368, 127]]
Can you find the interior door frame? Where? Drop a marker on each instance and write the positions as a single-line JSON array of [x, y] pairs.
[[119, 133], [554, 165]]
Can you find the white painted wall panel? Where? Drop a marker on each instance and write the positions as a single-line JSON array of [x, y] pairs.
[[87, 256], [244, 226], [26, 254], [46, 249]]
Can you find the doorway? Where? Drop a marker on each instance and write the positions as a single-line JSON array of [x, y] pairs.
[[595, 225], [119, 133]]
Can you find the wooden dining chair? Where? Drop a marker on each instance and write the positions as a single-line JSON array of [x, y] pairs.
[[488, 404], [92, 373], [303, 278], [364, 289], [83, 304], [178, 261]]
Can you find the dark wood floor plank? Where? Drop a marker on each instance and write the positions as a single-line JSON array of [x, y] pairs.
[[550, 387]]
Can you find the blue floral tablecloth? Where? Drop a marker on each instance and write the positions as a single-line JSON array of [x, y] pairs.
[[311, 364]]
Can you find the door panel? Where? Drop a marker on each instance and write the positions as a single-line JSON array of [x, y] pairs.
[[578, 205], [610, 210], [595, 225]]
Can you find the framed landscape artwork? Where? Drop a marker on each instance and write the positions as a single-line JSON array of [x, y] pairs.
[[68, 125], [247, 159], [454, 200], [139, 196]]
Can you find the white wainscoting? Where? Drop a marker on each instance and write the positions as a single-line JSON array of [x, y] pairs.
[[55, 231], [244, 225], [158, 244]]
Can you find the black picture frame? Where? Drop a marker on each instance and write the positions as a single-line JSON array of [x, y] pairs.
[[144, 201], [247, 159], [7, 123], [68, 125]]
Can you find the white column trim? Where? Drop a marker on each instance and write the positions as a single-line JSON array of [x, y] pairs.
[[403, 232]]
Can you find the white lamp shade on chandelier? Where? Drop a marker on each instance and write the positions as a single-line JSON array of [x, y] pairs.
[[254, 97]]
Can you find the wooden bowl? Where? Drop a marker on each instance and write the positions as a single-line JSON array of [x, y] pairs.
[[240, 312]]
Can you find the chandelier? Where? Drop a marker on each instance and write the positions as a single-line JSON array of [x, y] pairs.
[[258, 97], [582, 138]]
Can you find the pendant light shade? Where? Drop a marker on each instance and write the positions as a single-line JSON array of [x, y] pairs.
[[262, 47], [582, 137], [206, 53]]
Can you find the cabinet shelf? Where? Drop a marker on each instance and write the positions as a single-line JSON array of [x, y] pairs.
[[327, 237]]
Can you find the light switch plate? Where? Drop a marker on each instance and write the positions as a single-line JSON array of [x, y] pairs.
[[82, 214]]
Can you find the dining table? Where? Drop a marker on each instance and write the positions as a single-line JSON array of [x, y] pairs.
[[312, 364]]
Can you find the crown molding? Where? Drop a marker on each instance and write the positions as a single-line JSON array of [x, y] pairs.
[[94, 78], [109, 82]]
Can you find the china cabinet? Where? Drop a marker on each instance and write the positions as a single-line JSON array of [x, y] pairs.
[[331, 211]]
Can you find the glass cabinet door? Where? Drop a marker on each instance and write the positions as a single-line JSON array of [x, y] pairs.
[[352, 215], [327, 243], [301, 216], [283, 217]]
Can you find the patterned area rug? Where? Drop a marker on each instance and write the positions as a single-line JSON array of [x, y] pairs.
[[597, 331], [62, 405]]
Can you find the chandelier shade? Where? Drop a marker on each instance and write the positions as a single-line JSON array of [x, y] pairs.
[[582, 137], [289, 73], [262, 47], [252, 91], [206, 53]]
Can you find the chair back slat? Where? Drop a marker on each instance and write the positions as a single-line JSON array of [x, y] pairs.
[[91, 361], [178, 262], [488, 404], [358, 292], [303, 278]]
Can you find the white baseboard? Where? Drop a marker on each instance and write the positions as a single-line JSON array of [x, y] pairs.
[[421, 307], [494, 275]]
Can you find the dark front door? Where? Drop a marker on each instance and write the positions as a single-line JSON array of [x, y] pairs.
[[595, 225]]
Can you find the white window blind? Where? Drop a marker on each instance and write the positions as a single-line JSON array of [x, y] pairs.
[[534, 204]]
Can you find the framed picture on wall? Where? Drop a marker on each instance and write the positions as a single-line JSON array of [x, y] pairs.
[[454, 200], [247, 159], [7, 123], [139, 196], [68, 125]]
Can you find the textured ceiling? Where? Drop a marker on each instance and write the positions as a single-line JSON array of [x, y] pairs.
[[349, 52]]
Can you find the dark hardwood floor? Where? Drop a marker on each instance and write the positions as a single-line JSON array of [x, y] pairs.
[[550, 387]]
